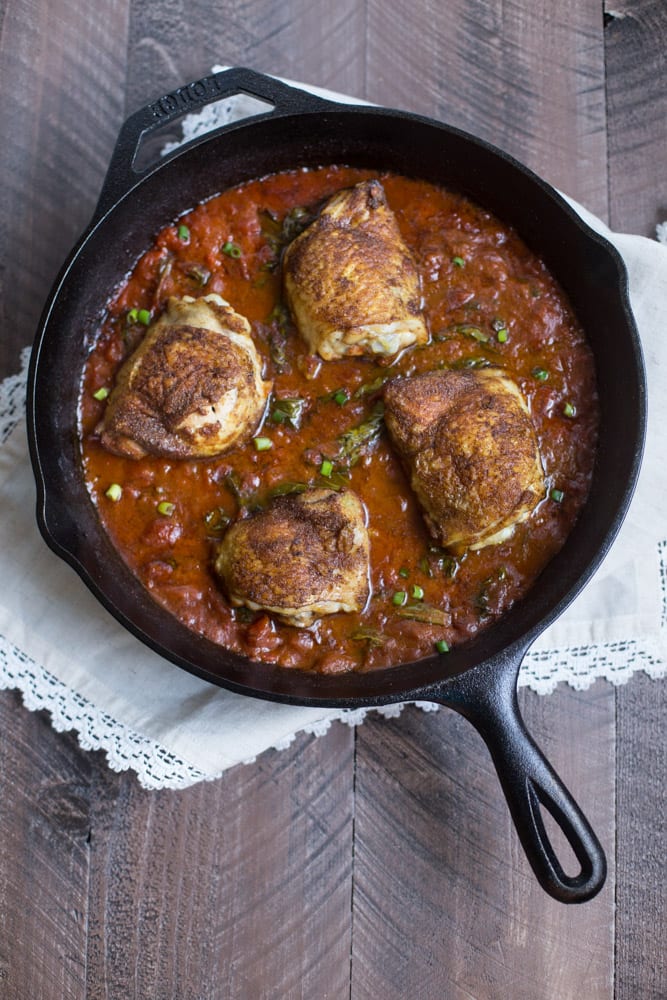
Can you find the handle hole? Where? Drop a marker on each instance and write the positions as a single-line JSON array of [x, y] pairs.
[[167, 138], [559, 839], [561, 846]]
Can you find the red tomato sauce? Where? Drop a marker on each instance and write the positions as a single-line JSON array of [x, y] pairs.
[[487, 300]]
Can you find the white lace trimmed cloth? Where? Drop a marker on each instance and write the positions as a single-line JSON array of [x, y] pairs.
[[67, 655]]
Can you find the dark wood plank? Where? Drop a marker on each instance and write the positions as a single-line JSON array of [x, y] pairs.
[[61, 76], [445, 904], [641, 893], [238, 888], [44, 826], [528, 77], [311, 40], [636, 42]]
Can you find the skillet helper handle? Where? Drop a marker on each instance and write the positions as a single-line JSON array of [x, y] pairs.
[[282, 99], [530, 784]]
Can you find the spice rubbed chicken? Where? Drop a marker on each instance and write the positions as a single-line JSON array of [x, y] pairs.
[[305, 556], [470, 449], [192, 389], [350, 280]]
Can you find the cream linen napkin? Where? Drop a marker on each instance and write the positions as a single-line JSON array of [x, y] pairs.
[[69, 656]]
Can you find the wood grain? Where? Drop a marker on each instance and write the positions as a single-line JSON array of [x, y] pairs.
[[61, 76], [528, 77], [635, 43], [641, 893], [238, 888], [310, 40], [44, 826]]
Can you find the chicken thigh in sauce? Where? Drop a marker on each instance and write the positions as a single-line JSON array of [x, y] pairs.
[[306, 556], [192, 389], [350, 280], [470, 449]]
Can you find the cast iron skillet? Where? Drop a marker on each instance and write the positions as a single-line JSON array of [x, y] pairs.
[[296, 129]]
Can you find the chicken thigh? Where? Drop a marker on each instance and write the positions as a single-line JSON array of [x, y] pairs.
[[305, 556], [192, 389], [350, 280], [471, 452]]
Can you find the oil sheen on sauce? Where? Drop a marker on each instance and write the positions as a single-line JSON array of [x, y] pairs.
[[487, 299]]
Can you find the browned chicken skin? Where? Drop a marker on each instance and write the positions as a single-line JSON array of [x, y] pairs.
[[470, 450], [192, 389], [350, 280], [305, 556]]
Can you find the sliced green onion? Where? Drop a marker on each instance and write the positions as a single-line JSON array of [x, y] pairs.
[[540, 373], [404, 572], [101, 393], [263, 444], [557, 495], [232, 249], [133, 316], [183, 233], [442, 646], [458, 261], [502, 336], [114, 492], [144, 316], [166, 508], [326, 468], [417, 592], [569, 410], [399, 598], [341, 397]]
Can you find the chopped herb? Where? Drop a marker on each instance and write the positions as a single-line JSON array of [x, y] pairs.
[[183, 233], [262, 443], [473, 362], [166, 508], [369, 635], [458, 261], [326, 468], [114, 492], [569, 410], [442, 646], [294, 223], [144, 316], [231, 249], [199, 274], [285, 489], [541, 374], [359, 440], [101, 393], [404, 572], [288, 411], [217, 519], [425, 566], [279, 321], [473, 332], [370, 387], [133, 316], [502, 336], [417, 592], [425, 613], [341, 397], [399, 598], [557, 495]]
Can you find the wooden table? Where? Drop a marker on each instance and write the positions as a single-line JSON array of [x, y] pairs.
[[376, 863]]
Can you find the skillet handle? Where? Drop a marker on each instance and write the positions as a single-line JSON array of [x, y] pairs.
[[489, 701], [123, 172]]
